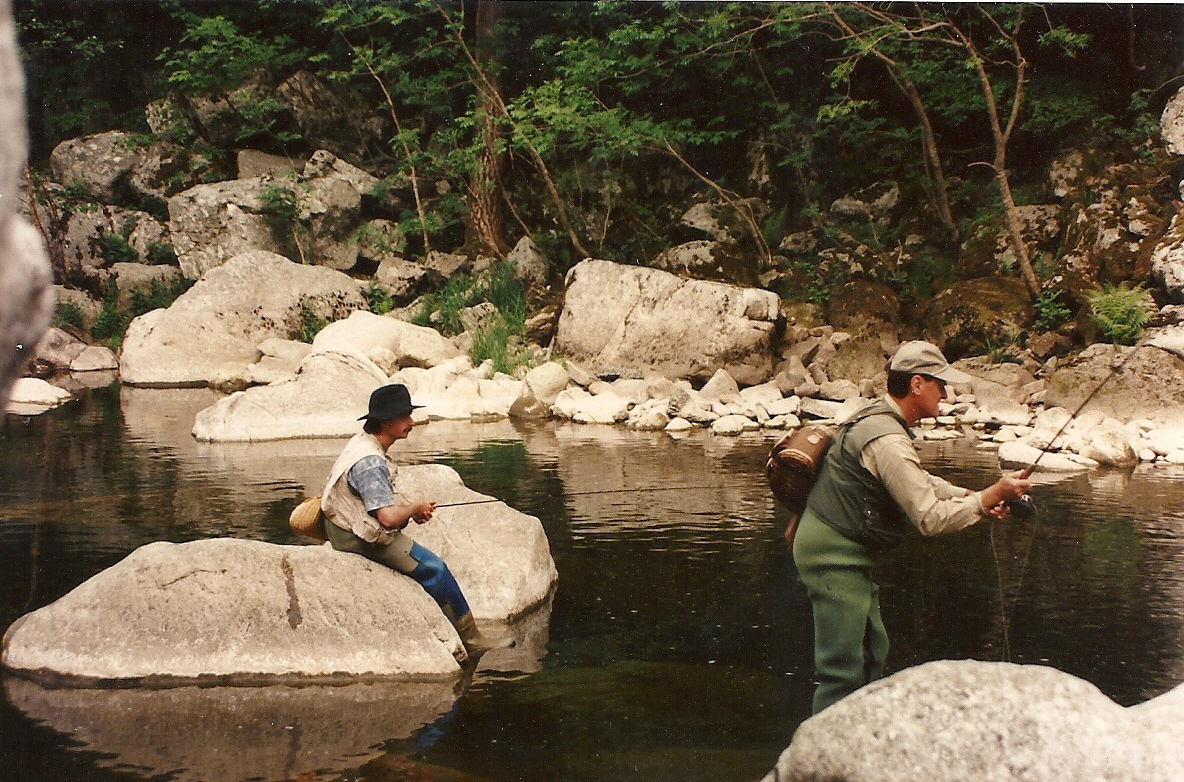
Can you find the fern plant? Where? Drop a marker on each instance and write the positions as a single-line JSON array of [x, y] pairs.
[[1119, 312]]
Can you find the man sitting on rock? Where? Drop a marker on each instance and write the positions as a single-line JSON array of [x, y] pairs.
[[365, 515]]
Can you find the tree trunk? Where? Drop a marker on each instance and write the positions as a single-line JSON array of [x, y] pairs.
[[485, 225], [933, 166], [1002, 135]]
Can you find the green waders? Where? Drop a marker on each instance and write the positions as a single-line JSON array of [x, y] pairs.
[[850, 643]]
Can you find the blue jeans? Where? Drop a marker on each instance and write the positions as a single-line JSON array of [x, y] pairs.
[[429, 571]]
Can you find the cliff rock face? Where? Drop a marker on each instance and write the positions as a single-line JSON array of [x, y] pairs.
[[632, 321], [1171, 124]]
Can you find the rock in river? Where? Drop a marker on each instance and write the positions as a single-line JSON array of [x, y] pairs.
[[952, 721], [243, 611]]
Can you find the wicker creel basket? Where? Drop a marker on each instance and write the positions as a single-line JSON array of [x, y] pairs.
[[307, 519]]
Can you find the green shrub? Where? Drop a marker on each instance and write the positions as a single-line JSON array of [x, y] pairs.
[[501, 288], [1050, 310], [280, 203], [379, 301], [311, 323], [117, 249], [111, 322], [67, 313], [160, 254], [446, 303], [1119, 312], [159, 295]]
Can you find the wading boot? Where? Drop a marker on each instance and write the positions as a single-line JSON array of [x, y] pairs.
[[475, 643]]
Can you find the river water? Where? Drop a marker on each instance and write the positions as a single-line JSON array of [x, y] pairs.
[[677, 644]]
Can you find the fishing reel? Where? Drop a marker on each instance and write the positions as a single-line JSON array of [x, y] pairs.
[[1023, 508]]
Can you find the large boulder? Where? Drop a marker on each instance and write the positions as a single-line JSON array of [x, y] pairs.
[[240, 611], [214, 222], [1167, 262], [229, 610], [324, 399], [973, 317], [389, 342], [217, 325], [1171, 123], [991, 722], [633, 321], [99, 164], [25, 277], [330, 201], [1125, 382]]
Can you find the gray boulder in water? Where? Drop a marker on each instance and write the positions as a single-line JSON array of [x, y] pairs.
[[953, 721]]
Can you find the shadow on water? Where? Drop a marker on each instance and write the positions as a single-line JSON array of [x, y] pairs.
[[677, 645]]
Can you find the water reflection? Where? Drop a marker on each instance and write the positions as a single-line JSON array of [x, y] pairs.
[[230, 734], [678, 642]]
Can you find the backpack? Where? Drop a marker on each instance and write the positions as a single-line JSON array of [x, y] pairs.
[[793, 464]]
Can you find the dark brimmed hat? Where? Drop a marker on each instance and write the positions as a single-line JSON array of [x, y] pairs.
[[387, 402], [923, 358]]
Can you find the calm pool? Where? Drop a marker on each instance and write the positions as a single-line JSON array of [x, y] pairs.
[[678, 641]]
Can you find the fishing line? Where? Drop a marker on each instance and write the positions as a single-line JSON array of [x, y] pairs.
[[1025, 508], [604, 491]]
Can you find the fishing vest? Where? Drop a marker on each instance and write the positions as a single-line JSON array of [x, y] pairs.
[[848, 498], [342, 506]]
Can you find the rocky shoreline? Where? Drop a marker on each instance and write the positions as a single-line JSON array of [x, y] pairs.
[[288, 389]]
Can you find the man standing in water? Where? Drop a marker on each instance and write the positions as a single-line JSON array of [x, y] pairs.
[[364, 515], [870, 486]]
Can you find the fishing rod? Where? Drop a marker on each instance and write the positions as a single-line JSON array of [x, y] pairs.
[[602, 491], [1025, 507]]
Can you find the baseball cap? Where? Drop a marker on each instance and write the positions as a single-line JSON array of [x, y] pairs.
[[923, 358]]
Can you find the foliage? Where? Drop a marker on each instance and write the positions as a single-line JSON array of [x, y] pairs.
[[1050, 310], [311, 323], [621, 113], [498, 286], [441, 308], [218, 53], [160, 254], [495, 342], [67, 313], [281, 205], [1119, 312], [117, 249], [159, 294], [112, 321], [279, 202], [378, 299]]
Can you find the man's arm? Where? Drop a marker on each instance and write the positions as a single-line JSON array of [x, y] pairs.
[[371, 479], [399, 515], [894, 460]]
